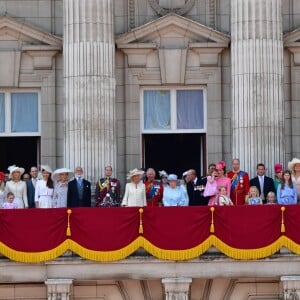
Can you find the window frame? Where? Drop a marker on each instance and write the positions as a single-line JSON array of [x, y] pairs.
[[7, 103], [173, 108]]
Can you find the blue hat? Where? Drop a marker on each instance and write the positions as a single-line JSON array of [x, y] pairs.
[[172, 177]]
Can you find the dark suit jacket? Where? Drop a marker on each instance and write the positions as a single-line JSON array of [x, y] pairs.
[[195, 195], [30, 193], [268, 186], [73, 197]]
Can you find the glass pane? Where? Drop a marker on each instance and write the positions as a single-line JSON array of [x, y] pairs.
[[157, 113], [2, 112], [190, 109], [24, 112]]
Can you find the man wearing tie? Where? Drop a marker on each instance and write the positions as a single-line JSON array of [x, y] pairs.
[[79, 190], [31, 186], [263, 183]]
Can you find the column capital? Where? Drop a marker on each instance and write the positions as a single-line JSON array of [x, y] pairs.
[[59, 289], [290, 287], [177, 288]]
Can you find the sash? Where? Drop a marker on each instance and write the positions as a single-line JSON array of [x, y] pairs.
[[236, 179], [103, 185], [151, 190]]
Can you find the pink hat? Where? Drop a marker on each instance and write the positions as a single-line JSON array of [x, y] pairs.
[[278, 167], [219, 166]]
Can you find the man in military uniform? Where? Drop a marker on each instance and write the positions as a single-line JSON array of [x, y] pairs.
[[154, 189], [107, 192], [240, 183]]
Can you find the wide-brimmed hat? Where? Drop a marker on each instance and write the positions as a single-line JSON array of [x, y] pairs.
[[135, 172], [16, 169], [292, 163], [46, 168], [172, 177], [57, 172]]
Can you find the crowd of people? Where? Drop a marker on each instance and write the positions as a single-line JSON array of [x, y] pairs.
[[64, 188]]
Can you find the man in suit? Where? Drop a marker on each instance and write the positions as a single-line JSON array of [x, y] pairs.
[[263, 183], [31, 186], [79, 190], [195, 189]]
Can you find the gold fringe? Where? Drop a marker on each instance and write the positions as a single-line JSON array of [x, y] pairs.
[[249, 253], [212, 225], [68, 233], [141, 230], [177, 254], [282, 219], [106, 256], [34, 257]]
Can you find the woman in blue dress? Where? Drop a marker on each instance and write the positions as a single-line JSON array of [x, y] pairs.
[[173, 194], [286, 192]]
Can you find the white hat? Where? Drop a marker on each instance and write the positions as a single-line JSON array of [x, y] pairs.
[[15, 169], [135, 172], [163, 173], [46, 168], [57, 172], [292, 163]]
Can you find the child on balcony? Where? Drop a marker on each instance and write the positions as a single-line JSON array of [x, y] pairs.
[[10, 204]]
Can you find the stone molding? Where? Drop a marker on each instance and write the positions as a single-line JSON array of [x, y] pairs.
[[291, 41]]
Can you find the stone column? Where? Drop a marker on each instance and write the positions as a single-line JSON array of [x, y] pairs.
[[290, 287], [257, 83], [59, 289], [89, 70], [177, 288]]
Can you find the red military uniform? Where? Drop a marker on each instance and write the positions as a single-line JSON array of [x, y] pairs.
[[240, 185], [154, 192]]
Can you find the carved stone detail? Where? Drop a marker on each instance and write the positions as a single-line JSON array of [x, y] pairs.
[[163, 11]]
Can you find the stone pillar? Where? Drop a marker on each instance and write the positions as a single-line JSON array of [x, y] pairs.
[[257, 83], [59, 289], [290, 287], [89, 70], [177, 288]]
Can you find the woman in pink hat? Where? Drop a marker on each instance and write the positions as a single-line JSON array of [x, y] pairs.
[[278, 168]]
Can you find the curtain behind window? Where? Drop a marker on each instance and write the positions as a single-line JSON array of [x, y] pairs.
[[190, 114], [24, 112], [157, 110], [2, 112]]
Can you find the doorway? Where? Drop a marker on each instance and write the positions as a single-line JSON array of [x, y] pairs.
[[174, 153], [20, 151]]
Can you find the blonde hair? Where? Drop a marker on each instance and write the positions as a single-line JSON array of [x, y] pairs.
[[253, 187]]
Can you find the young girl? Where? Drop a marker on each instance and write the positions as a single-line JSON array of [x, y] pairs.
[[10, 204], [211, 188], [253, 197], [223, 199], [271, 198], [286, 192]]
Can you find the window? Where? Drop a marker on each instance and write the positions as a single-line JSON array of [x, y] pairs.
[[19, 113], [173, 110]]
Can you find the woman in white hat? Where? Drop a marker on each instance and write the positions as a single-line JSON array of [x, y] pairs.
[[44, 189], [61, 178], [17, 186], [294, 167], [135, 192], [175, 195]]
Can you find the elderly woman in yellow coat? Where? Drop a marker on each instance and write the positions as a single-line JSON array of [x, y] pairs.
[[135, 192]]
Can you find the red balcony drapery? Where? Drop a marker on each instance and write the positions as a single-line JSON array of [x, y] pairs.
[[174, 233]]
